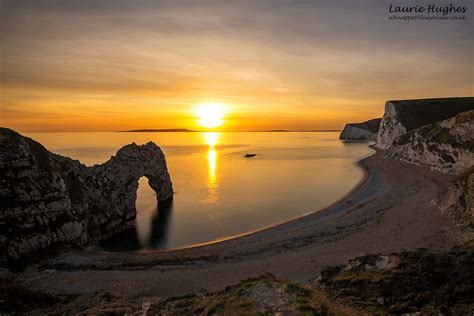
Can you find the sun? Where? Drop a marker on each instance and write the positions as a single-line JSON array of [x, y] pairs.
[[210, 114]]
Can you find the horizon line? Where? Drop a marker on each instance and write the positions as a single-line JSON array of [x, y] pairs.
[[172, 130]]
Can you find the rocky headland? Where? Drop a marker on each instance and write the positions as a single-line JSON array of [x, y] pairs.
[[438, 134], [402, 116], [50, 202], [361, 131]]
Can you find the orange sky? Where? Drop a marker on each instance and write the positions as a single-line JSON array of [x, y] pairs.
[[90, 66]]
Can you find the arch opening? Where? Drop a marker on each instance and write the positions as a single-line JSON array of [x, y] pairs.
[[152, 218]]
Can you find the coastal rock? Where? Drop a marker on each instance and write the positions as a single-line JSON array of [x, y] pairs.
[[403, 116], [456, 201], [361, 131], [51, 202], [446, 146], [415, 282]]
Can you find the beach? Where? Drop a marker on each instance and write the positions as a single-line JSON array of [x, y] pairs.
[[389, 211], [236, 158]]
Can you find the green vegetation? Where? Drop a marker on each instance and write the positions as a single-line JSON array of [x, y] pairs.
[[264, 295]]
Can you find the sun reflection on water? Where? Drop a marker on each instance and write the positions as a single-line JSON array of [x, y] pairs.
[[211, 160], [211, 139], [147, 210]]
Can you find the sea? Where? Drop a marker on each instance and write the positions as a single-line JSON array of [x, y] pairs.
[[218, 192]]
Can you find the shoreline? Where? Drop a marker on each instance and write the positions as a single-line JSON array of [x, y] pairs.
[[359, 184], [388, 211]]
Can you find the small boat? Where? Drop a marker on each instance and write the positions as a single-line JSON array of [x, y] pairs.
[[250, 155]]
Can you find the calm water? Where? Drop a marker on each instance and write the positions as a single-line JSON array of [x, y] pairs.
[[218, 193]]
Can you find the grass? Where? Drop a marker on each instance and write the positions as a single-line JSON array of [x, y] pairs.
[[264, 295]]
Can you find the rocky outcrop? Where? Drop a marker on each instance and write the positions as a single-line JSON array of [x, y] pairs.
[[418, 282], [446, 146], [51, 202], [456, 201], [361, 131], [403, 116]]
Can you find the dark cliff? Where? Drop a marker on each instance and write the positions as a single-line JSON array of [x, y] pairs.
[[51, 202]]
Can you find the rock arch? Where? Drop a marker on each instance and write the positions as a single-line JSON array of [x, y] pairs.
[[119, 177], [50, 201]]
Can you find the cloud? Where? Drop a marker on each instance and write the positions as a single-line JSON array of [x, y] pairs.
[[281, 56]]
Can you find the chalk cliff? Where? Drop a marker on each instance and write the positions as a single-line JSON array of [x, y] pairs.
[[361, 131], [446, 146], [51, 202], [435, 133], [403, 116]]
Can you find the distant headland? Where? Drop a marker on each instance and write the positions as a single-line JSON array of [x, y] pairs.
[[185, 130], [157, 130]]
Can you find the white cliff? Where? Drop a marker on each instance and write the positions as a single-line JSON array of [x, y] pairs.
[[390, 128], [361, 131], [403, 116], [446, 146]]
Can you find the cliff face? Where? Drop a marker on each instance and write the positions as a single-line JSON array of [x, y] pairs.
[[435, 133], [361, 131], [49, 201], [446, 146], [406, 115], [456, 201]]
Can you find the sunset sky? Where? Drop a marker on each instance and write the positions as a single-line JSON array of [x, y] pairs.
[[88, 65]]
